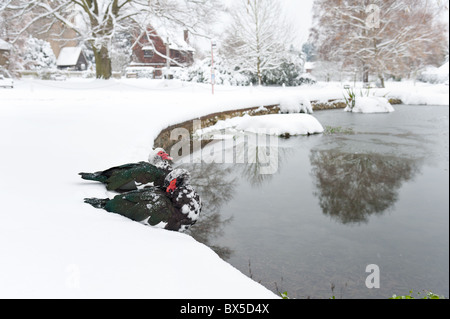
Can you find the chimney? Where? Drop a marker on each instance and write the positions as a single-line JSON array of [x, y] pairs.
[[186, 36]]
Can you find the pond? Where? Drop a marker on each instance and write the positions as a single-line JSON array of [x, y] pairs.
[[372, 190]]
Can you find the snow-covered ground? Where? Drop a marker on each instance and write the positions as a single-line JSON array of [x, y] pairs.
[[52, 245]]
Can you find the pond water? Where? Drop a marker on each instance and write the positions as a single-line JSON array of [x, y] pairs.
[[373, 190]]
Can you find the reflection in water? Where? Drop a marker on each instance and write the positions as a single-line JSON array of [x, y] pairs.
[[355, 178], [353, 186], [215, 187]]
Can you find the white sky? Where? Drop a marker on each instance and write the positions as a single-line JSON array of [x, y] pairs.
[[300, 11]]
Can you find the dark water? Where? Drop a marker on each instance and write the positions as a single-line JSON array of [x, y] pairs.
[[374, 190]]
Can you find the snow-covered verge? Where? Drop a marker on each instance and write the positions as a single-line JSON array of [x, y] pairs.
[[416, 94], [52, 245], [408, 92]]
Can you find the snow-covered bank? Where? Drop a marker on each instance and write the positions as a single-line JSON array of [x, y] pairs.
[[409, 93], [55, 246], [273, 124]]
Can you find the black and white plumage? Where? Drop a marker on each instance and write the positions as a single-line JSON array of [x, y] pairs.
[[175, 207], [160, 159]]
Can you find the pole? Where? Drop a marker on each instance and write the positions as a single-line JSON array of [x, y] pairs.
[[168, 59], [213, 74]]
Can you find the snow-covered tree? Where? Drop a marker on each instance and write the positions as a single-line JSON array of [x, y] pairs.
[[37, 54], [225, 74], [379, 36], [121, 52], [289, 72], [258, 37], [96, 22]]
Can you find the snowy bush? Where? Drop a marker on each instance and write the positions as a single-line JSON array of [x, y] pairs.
[[371, 104], [435, 75], [289, 74], [120, 52], [295, 104], [37, 55], [200, 72], [140, 72]]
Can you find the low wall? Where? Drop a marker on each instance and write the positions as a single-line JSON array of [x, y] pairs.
[[163, 139]]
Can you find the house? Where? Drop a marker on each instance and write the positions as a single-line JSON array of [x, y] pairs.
[[152, 49], [71, 58], [5, 49], [309, 67]]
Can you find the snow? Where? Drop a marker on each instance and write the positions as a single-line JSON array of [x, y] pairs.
[[4, 45], [68, 56], [411, 93], [272, 124], [37, 55], [55, 246], [175, 35], [371, 104], [309, 65], [435, 75], [296, 104]]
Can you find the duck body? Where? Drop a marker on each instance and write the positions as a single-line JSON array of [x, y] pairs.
[[174, 210], [132, 176], [128, 177]]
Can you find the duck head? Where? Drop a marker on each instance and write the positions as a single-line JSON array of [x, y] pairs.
[[177, 178], [159, 158]]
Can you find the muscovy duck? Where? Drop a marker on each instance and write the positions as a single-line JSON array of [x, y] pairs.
[[175, 207], [133, 176]]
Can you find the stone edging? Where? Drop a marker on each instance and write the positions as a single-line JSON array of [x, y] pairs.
[[163, 139]]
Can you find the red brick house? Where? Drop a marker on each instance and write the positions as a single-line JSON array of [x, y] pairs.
[[152, 49], [5, 49]]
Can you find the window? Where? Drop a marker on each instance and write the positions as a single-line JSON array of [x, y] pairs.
[[148, 53]]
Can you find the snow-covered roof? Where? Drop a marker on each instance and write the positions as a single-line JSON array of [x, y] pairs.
[[174, 34], [4, 45], [443, 69], [68, 56], [309, 65]]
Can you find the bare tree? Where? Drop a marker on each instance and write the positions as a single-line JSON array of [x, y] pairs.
[[258, 37], [96, 22], [379, 36]]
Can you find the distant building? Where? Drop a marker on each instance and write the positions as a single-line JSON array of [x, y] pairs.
[[5, 49], [71, 58], [309, 67], [152, 48]]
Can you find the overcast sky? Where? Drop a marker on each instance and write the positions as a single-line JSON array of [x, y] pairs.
[[300, 11]]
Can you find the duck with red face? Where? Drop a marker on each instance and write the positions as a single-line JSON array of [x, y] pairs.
[[134, 176], [176, 206]]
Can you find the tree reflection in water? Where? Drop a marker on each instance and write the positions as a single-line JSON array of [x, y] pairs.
[[353, 186], [216, 184]]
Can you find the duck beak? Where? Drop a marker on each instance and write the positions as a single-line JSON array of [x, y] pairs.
[[172, 186], [165, 156]]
